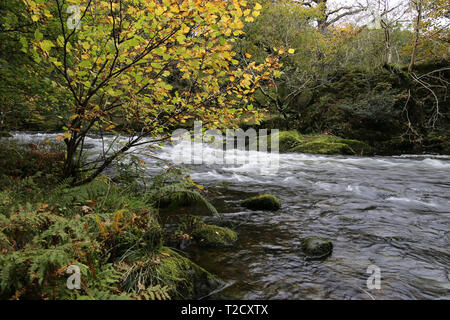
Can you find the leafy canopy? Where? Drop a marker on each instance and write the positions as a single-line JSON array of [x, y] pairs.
[[147, 64]]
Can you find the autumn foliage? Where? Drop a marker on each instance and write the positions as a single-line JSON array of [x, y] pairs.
[[145, 65]]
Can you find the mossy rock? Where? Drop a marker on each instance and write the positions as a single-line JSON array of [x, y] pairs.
[[214, 236], [356, 147], [184, 278], [191, 280], [175, 200], [286, 140], [292, 141], [187, 199], [317, 248], [321, 147], [263, 202], [4, 134]]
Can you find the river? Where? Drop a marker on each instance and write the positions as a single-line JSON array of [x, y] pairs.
[[388, 212]]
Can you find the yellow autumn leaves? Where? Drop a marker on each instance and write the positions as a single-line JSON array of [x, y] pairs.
[[282, 50], [256, 12], [138, 73]]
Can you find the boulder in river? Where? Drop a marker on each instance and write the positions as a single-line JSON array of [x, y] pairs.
[[183, 276], [214, 236], [263, 202], [293, 141], [317, 247]]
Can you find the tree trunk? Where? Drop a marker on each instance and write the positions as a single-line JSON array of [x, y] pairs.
[[388, 46], [69, 169], [418, 5], [322, 22]]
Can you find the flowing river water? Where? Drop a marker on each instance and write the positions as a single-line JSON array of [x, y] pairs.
[[389, 212]]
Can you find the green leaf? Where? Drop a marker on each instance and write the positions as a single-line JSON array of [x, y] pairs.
[[47, 45], [38, 35], [85, 64]]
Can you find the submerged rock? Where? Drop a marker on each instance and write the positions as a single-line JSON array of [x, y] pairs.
[[263, 202], [317, 247], [214, 236]]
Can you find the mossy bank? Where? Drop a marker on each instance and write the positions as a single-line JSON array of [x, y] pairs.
[[112, 232], [293, 141]]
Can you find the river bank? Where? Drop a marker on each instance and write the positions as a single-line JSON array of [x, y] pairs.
[[111, 231], [388, 211]]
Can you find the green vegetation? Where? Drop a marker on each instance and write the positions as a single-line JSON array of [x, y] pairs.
[[140, 69], [112, 232], [141, 75], [377, 82], [293, 141], [387, 110], [262, 202], [285, 65], [214, 236]]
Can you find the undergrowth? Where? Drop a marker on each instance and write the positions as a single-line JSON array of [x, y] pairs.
[[111, 232]]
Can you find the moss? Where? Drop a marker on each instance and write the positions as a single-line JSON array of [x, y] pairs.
[[321, 147], [187, 279], [176, 199], [183, 278], [262, 202], [358, 147], [214, 236], [286, 139], [292, 141], [317, 247], [188, 199], [438, 143]]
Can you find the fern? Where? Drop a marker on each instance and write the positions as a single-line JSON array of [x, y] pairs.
[[156, 292], [189, 197], [111, 232]]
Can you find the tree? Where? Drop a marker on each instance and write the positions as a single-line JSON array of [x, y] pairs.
[[26, 93], [283, 30], [329, 16], [308, 57], [431, 30], [387, 18], [418, 6], [143, 66]]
